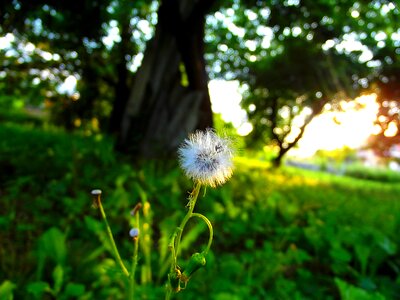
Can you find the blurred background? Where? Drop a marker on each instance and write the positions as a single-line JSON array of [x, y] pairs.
[[99, 94]]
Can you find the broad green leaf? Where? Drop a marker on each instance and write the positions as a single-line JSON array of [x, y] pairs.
[[6, 290], [52, 245], [350, 292], [387, 245], [58, 277], [340, 254], [74, 289], [38, 288]]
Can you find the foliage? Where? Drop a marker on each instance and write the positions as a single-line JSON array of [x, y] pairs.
[[296, 56], [53, 41], [338, 155], [387, 81], [285, 234], [293, 57]]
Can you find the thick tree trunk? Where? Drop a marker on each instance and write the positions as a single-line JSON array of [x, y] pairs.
[[121, 94], [161, 109], [121, 88], [277, 161]]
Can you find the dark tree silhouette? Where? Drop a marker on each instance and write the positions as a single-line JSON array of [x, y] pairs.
[[169, 96]]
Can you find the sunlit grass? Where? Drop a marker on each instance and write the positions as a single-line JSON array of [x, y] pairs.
[[243, 161]]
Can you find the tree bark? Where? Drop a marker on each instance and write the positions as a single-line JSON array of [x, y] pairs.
[[121, 88], [161, 109]]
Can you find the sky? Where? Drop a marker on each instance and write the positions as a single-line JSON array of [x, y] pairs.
[[334, 130], [328, 131], [225, 99]]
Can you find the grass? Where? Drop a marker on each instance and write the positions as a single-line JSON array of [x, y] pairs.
[[285, 234], [373, 174]]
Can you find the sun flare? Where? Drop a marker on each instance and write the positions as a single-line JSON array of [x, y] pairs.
[[331, 130], [334, 130]]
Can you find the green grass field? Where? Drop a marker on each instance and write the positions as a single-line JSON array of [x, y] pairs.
[[285, 234]]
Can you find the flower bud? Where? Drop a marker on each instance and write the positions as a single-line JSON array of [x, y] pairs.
[[174, 280], [96, 194], [134, 232], [196, 262], [136, 209]]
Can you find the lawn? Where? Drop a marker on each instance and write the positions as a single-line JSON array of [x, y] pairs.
[[279, 234]]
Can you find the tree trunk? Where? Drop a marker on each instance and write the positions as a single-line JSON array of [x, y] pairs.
[[121, 87], [277, 161], [162, 109], [121, 94]]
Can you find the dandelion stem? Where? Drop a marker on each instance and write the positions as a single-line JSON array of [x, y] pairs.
[[111, 238], [171, 246], [134, 261], [176, 238], [168, 294], [210, 228], [192, 202]]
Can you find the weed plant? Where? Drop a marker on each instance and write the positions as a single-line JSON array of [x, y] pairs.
[[285, 234]]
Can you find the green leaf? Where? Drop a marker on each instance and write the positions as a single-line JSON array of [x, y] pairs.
[[350, 292], [226, 296], [363, 253], [74, 289], [6, 290], [367, 284], [93, 224], [387, 245], [52, 245], [58, 277], [340, 254], [38, 288]]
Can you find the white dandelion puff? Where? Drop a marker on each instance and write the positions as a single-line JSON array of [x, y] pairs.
[[207, 158]]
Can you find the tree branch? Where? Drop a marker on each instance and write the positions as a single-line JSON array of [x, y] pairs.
[[316, 110], [274, 121]]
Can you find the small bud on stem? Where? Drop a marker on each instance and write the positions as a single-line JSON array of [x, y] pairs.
[[96, 197], [136, 209]]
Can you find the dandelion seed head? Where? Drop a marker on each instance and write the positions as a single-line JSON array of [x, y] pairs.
[[96, 192], [207, 158]]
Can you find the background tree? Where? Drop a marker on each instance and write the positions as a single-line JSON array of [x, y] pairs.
[[294, 57], [388, 118], [61, 47], [290, 89], [66, 44], [170, 95], [386, 81]]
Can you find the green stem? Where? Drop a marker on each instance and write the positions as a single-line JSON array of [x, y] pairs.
[[176, 237], [171, 247], [191, 204], [210, 228], [134, 261], [168, 294], [111, 238]]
